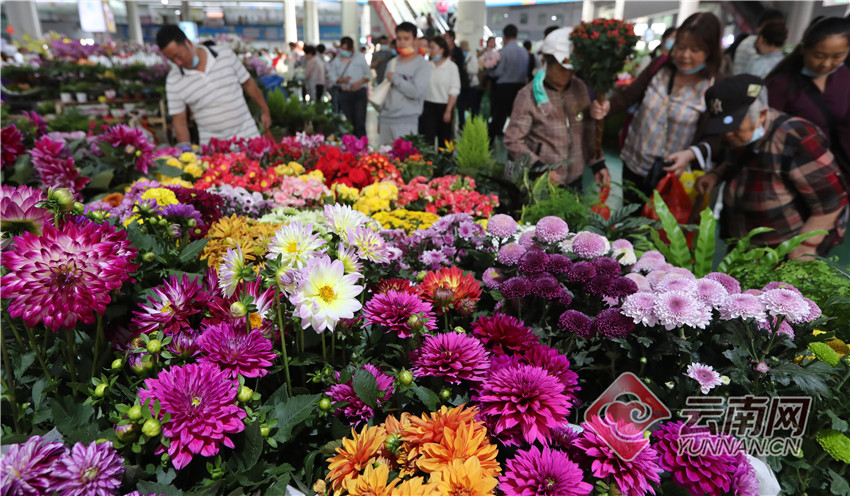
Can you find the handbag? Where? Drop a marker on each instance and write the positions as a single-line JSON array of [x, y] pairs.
[[380, 92]]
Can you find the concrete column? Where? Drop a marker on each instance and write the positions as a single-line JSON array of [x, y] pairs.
[[798, 20], [311, 22], [619, 9], [185, 11], [290, 22], [686, 9], [23, 17], [471, 19], [350, 20], [366, 22], [588, 12], [134, 23]]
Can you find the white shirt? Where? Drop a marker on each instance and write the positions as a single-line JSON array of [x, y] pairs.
[[445, 82], [214, 95], [744, 53]]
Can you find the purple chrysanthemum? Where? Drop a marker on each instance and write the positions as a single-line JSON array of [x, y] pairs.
[[558, 264], [356, 411], [581, 271], [551, 229], [770, 325], [607, 266], [622, 287], [20, 213], [639, 307], [523, 402], [676, 309], [65, 275], [493, 278], [742, 306], [201, 399], [730, 283], [533, 261], [515, 287], [395, 309], [547, 472], [590, 245], [454, 357], [705, 375], [182, 210], [786, 303], [610, 322], [93, 470], [501, 226], [599, 284], [554, 362], [172, 305], [185, 343], [235, 350], [545, 285], [432, 258], [503, 333], [510, 253], [711, 292], [526, 240], [620, 452], [576, 322], [28, 468]]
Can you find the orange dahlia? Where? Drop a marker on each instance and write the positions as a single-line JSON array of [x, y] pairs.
[[431, 429], [416, 487], [373, 482], [469, 440], [355, 455], [448, 288], [466, 478]]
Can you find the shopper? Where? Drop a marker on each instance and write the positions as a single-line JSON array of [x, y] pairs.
[[813, 83], [208, 81], [459, 58], [349, 73], [744, 47], [314, 74], [769, 43], [509, 76], [779, 171], [487, 61], [410, 75], [468, 99], [443, 89], [381, 57], [671, 101], [550, 120]]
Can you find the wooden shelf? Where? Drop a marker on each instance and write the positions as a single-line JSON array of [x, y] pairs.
[[161, 121]]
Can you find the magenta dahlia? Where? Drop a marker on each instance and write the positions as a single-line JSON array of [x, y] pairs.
[[172, 305], [134, 142], [454, 357], [523, 402], [620, 453], [55, 167], [201, 399], [93, 470], [233, 349], [20, 213], [502, 333], [555, 363], [12, 146], [401, 313], [28, 468], [547, 472], [65, 275], [356, 411]]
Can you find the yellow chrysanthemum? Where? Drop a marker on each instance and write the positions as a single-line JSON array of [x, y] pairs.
[[373, 482], [162, 196], [836, 344], [176, 181], [314, 174], [188, 157], [355, 455], [416, 487], [230, 232], [470, 440], [194, 170], [345, 193], [406, 220], [465, 478], [290, 169], [173, 162]]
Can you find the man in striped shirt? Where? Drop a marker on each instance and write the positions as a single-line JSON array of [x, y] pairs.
[[209, 81]]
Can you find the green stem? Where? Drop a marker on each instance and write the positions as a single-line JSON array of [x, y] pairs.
[[333, 346], [841, 384], [72, 357], [283, 342], [11, 389], [97, 342], [446, 319], [14, 330], [38, 354], [324, 349], [248, 323]]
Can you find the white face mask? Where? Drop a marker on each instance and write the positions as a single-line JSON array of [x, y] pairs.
[[757, 135]]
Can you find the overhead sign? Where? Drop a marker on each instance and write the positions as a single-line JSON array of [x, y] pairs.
[[96, 16]]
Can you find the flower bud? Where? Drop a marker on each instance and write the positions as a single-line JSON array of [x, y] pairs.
[[238, 309], [175, 231], [127, 432], [442, 296], [191, 223], [405, 377], [445, 394], [135, 412], [97, 215], [129, 149], [151, 428], [245, 394], [149, 257], [138, 153], [117, 364], [459, 330], [154, 346], [100, 390], [414, 322], [762, 367], [421, 276], [61, 197], [79, 208], [392, 443], [265, 430], [325, 404]]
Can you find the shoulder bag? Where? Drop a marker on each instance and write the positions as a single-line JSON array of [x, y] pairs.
[[380, 92]]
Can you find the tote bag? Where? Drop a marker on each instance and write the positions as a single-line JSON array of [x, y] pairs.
[[380, 92]]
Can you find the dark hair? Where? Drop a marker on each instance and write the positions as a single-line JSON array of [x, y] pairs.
[[169, 33], [406, 27], [440, 42], [549, 30], [774, 33], [320, 48], [706, 29], [549, 59], [382, 38], [209, 43], [309, 50], [667, 32], [346, 41], [527, 44], [451, 34], [770, 15], [510, 31], [820, 29]]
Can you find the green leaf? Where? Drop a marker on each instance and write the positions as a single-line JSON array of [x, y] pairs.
[[69, 414], [788, 246], [101, 181], [837, 423], [704, 248], [811, 379], [662, 247], [681, 254], [740, 248], [427, 397], [192, 250], [366, 387], [169, 170], [838, 484], [38, 392], [291, 413], [147, 487], [22, 362], [247, 452]]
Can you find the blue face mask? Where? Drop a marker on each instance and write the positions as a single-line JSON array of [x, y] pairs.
[[694, 70], [757, 135], [345, 53], [395, 52], [465, 53], [668, 45], [195, 61], [437, 58], [806, 72]]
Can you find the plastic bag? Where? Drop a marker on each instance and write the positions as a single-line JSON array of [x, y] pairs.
[[674, 195]]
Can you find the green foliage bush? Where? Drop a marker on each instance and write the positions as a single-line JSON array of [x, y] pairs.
[[472, 151], [292, 116]]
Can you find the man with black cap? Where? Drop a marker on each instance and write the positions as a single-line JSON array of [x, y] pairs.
[[778, 170]]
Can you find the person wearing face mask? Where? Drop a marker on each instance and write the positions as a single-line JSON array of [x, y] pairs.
[[778, 170], [812, 82], [743, 49], [769, 43], [381, 57], [209, 81], [670, 99], [661, 52], [350, 72], [443, 89]]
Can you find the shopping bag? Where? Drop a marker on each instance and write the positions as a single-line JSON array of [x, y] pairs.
[[674, 195], [380, 92]]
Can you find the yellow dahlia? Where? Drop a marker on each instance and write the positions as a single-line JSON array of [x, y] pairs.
[[416, 487], [355, 455], [466, 478], [373, 482]]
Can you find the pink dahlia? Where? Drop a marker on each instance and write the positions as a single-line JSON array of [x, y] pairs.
[[28, 469], [65, 275], [172, 306], [134, 142], [11, 143], [201, 399], [555, 363], [233, 349], [786, 303], [401, 313], [93, 470], [551, 229], [54, 166], [523, 402], [677, 308], [20, 213], [705, 375], [502, 333], [620, 452], [547, 472], [356, 411], [456, 358]]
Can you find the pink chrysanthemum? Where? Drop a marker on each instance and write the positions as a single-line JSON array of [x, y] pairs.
[[674, 282], [401, 313], [19, 212], [201, 399], [356, 411], [134, 142], [730, 283], [501, 226], [237, 351], [769, 326], [54, 166], [711, 292], [493, 278], [620, 452], [554, 362], [93, 470], [676, 309], [551, 229], [502, 333], [523, 402], [28, 469], [640, 281], [649, 262], [510, 253], [547, 472], [65, 275], [705, 375], [454, 357], [655, 277], [639, 307], [172, 305], [786, 303], [590, 245], [781, 285], [742, 306]]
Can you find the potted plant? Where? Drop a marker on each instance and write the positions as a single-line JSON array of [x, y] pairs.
[[66, 93], [81, 93]]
